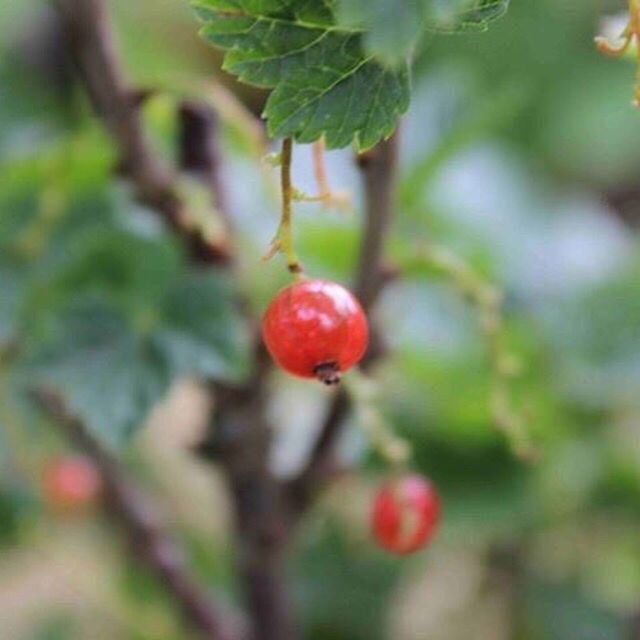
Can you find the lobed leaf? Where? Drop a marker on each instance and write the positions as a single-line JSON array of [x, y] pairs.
[[323, 81]]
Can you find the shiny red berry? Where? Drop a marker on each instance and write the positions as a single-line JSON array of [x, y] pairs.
[[405, 514], [315, 329], [71, 482]]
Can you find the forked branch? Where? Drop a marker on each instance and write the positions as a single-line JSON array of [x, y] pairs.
[[91, 43]]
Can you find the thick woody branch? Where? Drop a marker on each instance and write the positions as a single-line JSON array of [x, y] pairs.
[[148, 540], [239, 437], [91, 43], [378, 168], [239, 428], [239, 440]]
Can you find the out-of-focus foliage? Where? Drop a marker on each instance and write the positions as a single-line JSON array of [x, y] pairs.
[[393, 29], [98, 296], [515, 143], [340, 71]]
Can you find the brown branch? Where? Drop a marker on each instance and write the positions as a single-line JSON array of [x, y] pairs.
[[238, 426], [378, 168], [91, 43], [147, 538], [239, 431], [239, 438]]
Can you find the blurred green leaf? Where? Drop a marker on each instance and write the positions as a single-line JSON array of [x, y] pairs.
[[343, 586], [562, 612], [202, 331], [130, 271], [393, 28], [17, 503], [112, 369], [109, 375]]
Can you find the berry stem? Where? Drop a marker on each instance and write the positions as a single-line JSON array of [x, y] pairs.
[[283, 241], [487, 299]]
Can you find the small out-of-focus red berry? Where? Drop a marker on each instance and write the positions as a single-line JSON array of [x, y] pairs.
[[71, 483], [405, 514], [315, 329]]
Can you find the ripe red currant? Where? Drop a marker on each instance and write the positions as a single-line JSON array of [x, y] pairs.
[[71, 482], [315, 329], [405, 514]]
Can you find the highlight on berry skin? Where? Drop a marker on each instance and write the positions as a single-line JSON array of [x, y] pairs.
[[405, 515], [316, 329]]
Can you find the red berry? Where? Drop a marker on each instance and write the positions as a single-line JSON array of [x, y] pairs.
[[405, 514], [315, 329], [71, 482]]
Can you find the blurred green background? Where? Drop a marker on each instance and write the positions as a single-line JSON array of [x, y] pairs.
[[522, 154]]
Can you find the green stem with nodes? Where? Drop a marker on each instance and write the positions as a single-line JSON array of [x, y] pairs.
[[363, 393], [283, 241], [631, 32], [487, 299], [285, 233]]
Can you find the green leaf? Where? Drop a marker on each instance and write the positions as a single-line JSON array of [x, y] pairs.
[[118, 265], [112, 369], [202, 331], [324, 83], [394, 27], [109, 376]]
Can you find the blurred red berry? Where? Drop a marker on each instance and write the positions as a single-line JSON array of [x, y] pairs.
[[315, 329], [71, 482], [405, 514]]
